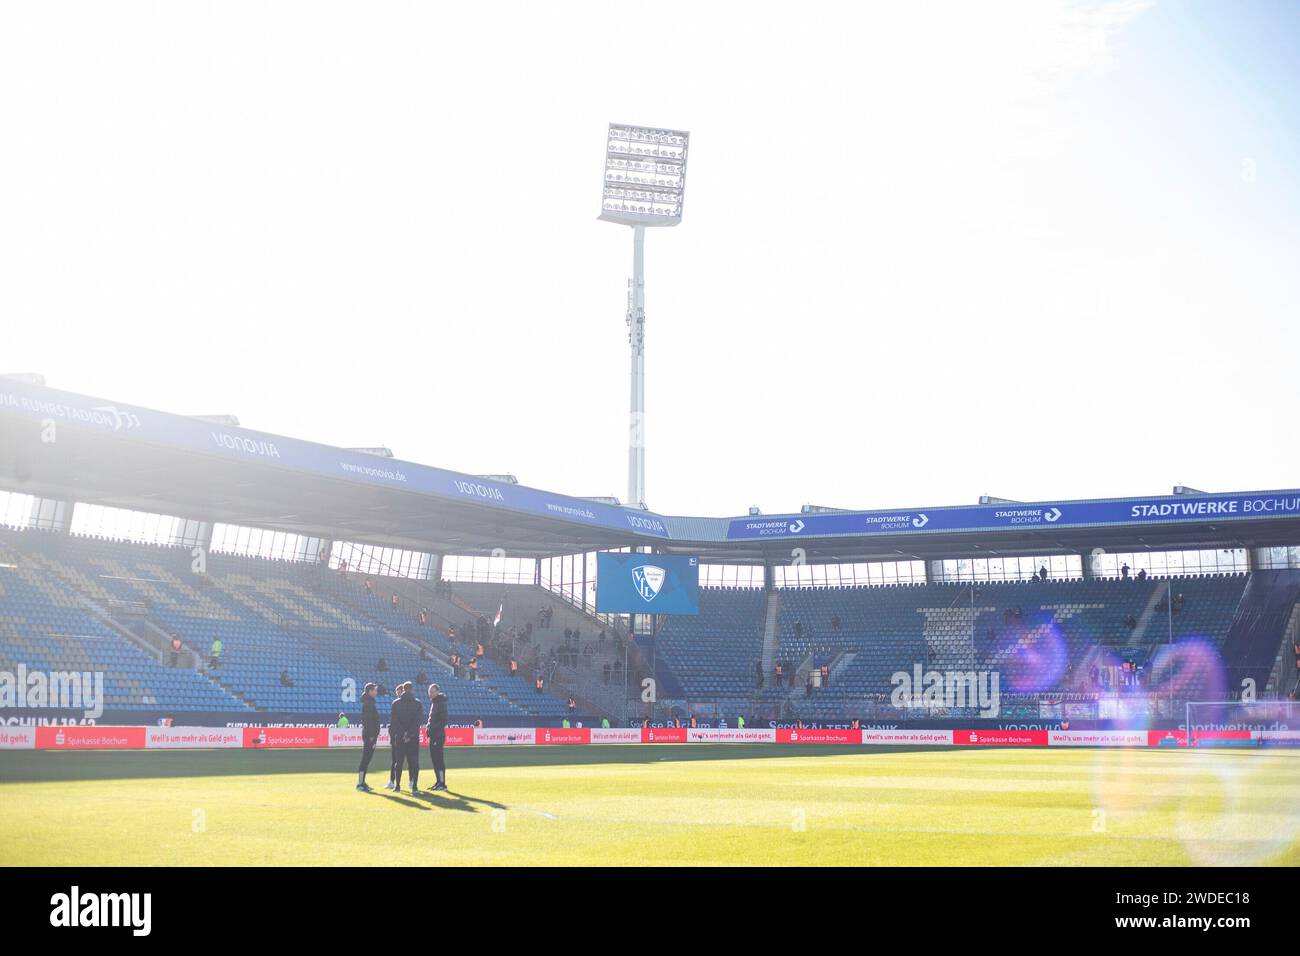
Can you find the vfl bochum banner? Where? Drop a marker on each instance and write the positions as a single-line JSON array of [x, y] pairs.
[[1131, 511], [647, 584]]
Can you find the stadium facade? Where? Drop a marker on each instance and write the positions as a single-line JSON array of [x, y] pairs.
[[319, 568]]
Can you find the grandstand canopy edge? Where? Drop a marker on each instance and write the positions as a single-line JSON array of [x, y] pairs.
[[113, 454]]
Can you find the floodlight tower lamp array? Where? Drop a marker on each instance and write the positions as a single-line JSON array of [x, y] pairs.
[[645, 183]]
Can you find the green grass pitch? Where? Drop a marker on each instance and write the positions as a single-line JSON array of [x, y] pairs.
[[651, 805]]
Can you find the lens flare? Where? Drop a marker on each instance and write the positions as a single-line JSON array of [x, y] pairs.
[[1233, 811], [1033, 659], [1188, 670]]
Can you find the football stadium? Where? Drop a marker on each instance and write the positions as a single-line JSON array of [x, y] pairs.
[[955, 583], [192, 612]]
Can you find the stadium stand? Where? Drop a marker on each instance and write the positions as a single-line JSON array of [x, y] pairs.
[[713, 656], [295, 635], [1067, 636], [113, 606], [45, 624]]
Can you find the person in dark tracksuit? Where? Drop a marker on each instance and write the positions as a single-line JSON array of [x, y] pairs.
[[369, 732], [404, 729], [395, 750], [436, 726]]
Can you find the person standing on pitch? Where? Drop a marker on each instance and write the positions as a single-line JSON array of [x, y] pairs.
[[394, 745], [404, 728], [369, 732], [436, 727]]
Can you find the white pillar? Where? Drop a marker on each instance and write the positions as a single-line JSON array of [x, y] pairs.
[[636, 337]]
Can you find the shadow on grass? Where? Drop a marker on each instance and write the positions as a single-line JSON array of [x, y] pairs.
[[44, 766], [388, 795], [468, 799], [446, 800]]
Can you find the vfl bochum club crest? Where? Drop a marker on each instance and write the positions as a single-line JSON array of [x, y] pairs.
[[648, 580]]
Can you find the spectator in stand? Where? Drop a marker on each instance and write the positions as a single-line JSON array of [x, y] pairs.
[[176, 652], [285, 679], [1142, 574], [514, 667], [835, 622], [538, 683], [381, 665], [1042, 573], [214, 654], [572, 704], [826, 675], [473, 668], [1123, 572]]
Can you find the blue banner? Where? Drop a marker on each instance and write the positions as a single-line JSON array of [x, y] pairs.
[[647, 584], [1017, 517], [131, 423]]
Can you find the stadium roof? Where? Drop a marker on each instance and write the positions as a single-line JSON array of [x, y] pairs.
[[131, 457]]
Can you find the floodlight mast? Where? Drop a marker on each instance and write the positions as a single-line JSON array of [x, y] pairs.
[[645, 181]]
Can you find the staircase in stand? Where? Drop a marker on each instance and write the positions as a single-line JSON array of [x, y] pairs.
[[1258, 628]]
